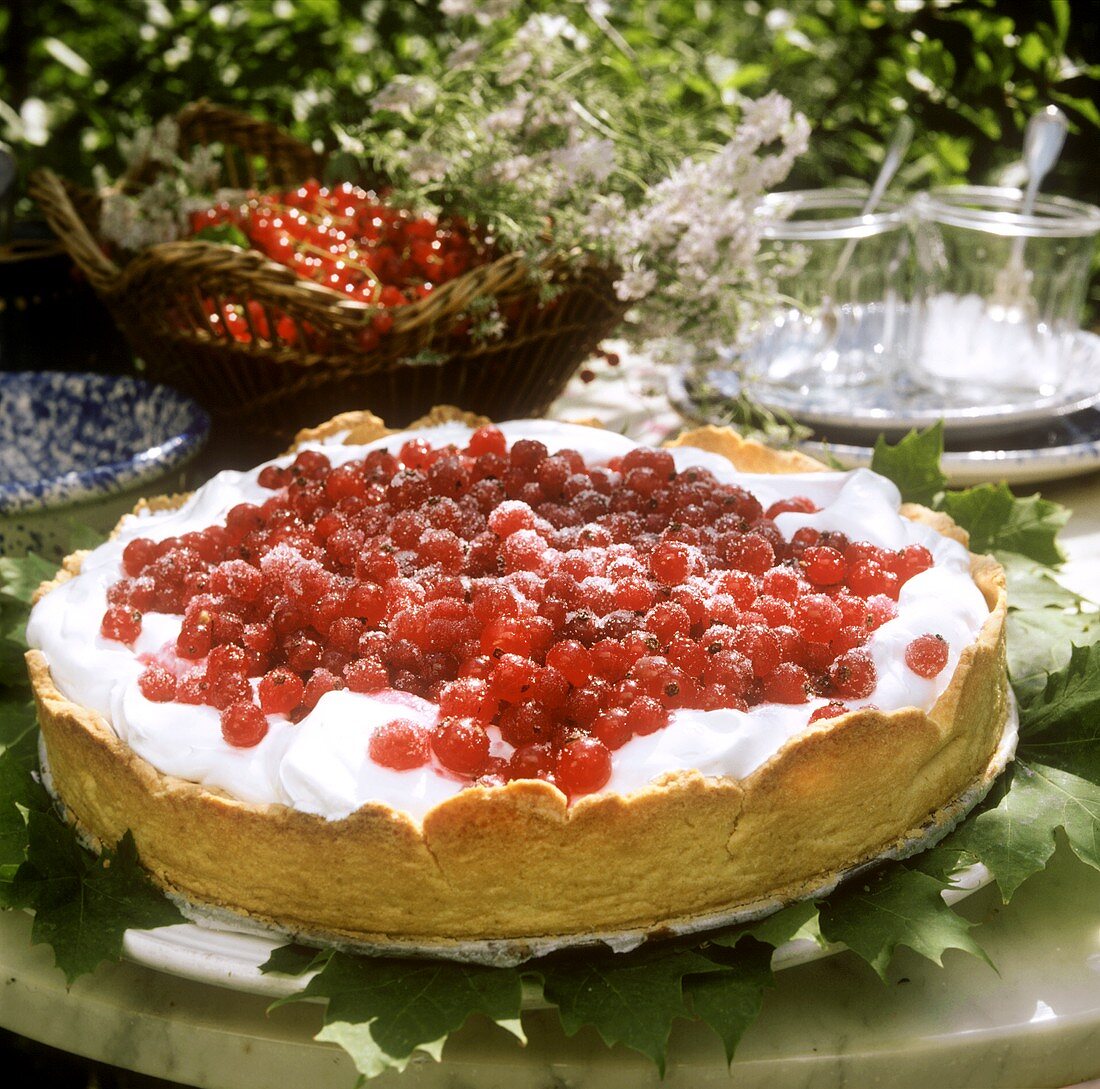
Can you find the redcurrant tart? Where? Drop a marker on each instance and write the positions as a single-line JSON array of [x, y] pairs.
[[523, 702]]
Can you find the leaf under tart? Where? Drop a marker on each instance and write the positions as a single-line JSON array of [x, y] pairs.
[[83, 905], [630, 998], [729, 1001], [294, 960], [896, 906], [21, 576], [1062, 725], [1015, 837], [383, 1009]]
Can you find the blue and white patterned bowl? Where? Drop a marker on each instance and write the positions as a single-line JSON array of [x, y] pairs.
[[82, 449]]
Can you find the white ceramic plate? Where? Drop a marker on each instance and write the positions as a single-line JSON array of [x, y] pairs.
[[1055, 448], [966, 401], [232, 959]]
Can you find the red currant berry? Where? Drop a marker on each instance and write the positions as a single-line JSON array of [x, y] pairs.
[[789, 683], [121, 623], [400, 744], [583, 766], [531, 762], [797, 504], [461, 747], [927, 655], [280, 691], [853, 674], [828, 710], [138, 554], [243, 724], [157, 684], [910, 561], [823, 566]]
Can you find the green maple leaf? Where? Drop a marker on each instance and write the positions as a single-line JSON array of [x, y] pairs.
[[382, 1010], [82, 537], [997, 521], [1014, 838], [941, 862], [913, 464], [294, 960], [1039, 643], [83, 905], [1034, 585], [896, 906], [797, 920], [13, 644], [19, 755], [729, 1001], [19, 790], [1054, 784], [629, 999], [21, 577], [1044, 621], [1062, 726]]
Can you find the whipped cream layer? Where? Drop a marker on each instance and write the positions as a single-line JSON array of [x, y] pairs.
[[320, 765]]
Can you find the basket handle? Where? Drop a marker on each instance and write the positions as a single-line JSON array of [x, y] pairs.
[[287, 160], [47, 189]]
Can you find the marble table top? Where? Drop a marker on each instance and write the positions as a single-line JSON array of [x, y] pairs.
[[1034, 1022]]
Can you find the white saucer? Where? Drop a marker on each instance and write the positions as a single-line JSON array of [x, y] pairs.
[[895, 398], [1054, 448], [231, 959]]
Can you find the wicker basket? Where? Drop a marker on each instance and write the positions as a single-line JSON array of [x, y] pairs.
[[271, 388]]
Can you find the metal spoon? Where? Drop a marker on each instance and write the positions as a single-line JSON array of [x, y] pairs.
[[899, 144], [1043, 140]]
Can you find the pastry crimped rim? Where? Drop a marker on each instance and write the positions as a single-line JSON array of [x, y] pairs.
[[506, 870]]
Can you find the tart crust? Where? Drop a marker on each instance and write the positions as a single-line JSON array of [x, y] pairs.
[[515, 862]]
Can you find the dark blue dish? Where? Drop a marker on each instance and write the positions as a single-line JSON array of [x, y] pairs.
[[65, 438], [83, 447]]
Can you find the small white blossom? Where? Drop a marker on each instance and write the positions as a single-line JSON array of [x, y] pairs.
[[586, 163], [485, 12], [515, 67], [405, 93], [514, 168], [464, 55], [510, 119], [636, 283], [425, 166]]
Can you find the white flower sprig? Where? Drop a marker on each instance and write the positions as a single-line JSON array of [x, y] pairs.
[[526, 137], [159, 211]]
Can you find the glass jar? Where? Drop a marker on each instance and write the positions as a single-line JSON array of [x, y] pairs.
[[842, 278], [997, 296]]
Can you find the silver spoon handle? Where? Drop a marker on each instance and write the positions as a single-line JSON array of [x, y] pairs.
[[1043, 140], [895, 153]]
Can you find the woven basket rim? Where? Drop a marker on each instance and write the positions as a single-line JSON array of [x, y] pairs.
[[512, 265]]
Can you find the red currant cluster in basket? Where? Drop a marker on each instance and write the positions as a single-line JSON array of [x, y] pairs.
[[348, 239], [563, 606]]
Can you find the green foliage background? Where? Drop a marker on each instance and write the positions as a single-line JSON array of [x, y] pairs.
[[76, 73]]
